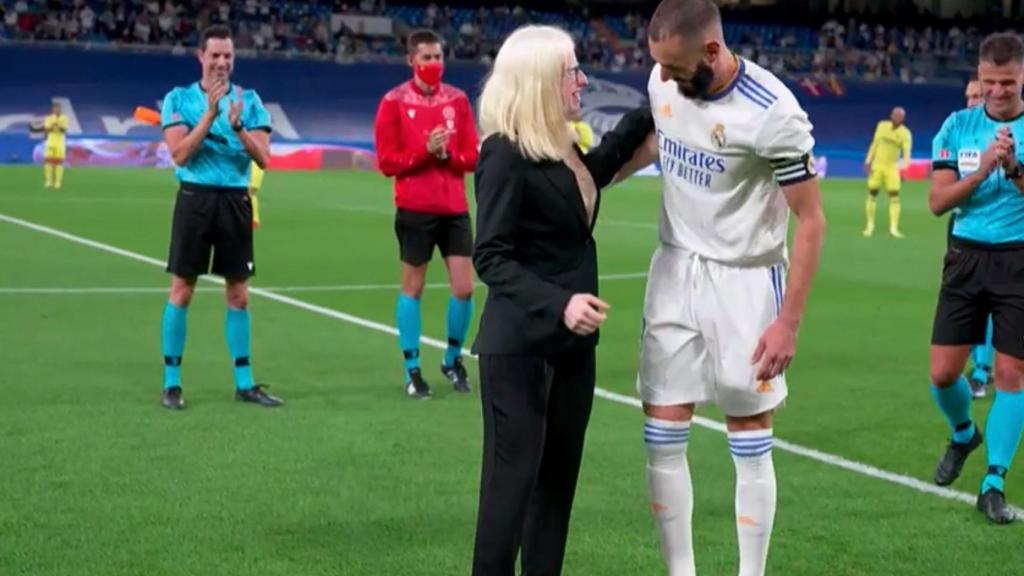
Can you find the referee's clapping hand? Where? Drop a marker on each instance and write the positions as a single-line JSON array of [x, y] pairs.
[[1007, 150], [219, 90], [992, 157]]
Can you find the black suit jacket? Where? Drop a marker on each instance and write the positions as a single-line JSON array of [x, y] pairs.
[[534, 246]]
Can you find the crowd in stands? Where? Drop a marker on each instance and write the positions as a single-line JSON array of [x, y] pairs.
[[844, 46]]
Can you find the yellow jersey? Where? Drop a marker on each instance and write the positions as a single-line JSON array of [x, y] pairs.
[[255, 177], [584, 134], [55, 126], [887, 145]]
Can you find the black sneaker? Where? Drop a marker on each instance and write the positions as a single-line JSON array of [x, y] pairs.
[[993, 504], [952, 462], [171, 398], [416, 386], [456, 374], [257, 395]]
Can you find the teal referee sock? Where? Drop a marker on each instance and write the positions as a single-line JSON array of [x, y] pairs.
[[460, 312], [237, 330], [407, 314], [1002, 436], [173, 331], [955, 403]]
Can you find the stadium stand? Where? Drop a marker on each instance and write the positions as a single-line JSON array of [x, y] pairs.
[[845, 69], [912, 50]]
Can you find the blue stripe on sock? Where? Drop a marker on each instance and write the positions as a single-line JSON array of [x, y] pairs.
[[648, 435], [749, 449], [652, 438], [657, 428], [655, 435], [756, 446], [751, 453], [750, 446], [667, 432]]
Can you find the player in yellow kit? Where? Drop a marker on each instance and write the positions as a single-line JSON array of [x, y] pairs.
[[56, 126], [255, 181], [882, 165]]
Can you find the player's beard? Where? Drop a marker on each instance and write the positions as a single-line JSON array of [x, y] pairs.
[[699, 86]]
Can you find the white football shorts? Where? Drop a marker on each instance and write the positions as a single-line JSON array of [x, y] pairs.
[[702, 322]]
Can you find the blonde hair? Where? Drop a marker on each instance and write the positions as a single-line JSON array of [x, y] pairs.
[[522, 98]]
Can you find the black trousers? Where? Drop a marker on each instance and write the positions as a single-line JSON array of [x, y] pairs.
[[536, 411]]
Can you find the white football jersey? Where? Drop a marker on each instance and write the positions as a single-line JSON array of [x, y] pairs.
[[724, 161]]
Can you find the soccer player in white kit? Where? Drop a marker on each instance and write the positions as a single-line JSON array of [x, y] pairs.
[[722, 307]]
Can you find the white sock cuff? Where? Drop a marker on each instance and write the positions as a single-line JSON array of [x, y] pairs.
[[659, 432], [751, 443]]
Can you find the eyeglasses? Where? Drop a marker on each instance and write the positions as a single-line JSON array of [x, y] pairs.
[[574, 72]]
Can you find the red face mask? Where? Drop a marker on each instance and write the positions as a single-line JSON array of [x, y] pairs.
[[430, 73]]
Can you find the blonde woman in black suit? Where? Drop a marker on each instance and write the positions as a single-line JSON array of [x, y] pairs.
[[538, 197]]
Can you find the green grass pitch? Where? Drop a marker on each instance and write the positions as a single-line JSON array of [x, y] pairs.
[[351, 477]]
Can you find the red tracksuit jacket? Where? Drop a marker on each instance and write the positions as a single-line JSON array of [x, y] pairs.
[[405, 118]]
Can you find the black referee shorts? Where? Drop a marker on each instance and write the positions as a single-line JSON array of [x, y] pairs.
[[419, 232], [211, 219], [978, 280]]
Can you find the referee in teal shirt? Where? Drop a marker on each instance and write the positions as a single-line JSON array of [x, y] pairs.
[[213, 130], [978, 169]]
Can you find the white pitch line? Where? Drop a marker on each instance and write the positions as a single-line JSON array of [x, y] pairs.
[[824, 457], [817, 455], [629, 276], [121, 290], [56, 290], [98, 290]]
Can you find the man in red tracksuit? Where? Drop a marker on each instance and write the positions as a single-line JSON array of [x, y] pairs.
[[426, 138]]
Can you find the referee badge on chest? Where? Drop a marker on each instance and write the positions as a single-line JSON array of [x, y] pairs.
[[968, 160], [718, 136]]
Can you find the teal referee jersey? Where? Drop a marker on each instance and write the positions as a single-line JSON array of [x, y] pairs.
[[221, 159], [994, 212]]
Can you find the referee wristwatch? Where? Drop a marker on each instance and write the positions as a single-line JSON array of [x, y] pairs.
[[1016, 174]]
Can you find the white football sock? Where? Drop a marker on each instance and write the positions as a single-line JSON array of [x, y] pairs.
[[671, 493], [755, 497]]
